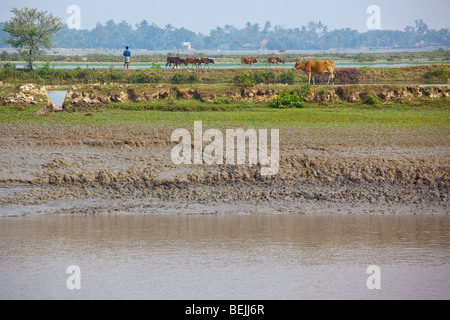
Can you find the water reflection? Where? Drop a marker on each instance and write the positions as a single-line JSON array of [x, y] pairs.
[[225, 257]]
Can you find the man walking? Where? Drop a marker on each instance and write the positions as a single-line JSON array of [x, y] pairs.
[[127, 55]]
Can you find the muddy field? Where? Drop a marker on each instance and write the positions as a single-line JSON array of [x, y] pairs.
[[86, 170]]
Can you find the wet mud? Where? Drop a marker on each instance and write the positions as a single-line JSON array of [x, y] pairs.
[[107, 170]]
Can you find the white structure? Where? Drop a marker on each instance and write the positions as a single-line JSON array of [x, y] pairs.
[[187, 46]]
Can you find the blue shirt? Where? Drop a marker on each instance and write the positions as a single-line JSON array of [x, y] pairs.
[[127, 53]]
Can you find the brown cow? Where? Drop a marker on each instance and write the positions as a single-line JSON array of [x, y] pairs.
[[275, 60], [176, 61], [206, 61], [316, 67], [194, 61], [249, 61]]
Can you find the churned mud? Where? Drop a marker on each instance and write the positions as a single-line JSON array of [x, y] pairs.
[[87, 170]]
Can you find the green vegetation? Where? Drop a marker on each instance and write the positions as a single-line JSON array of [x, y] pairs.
[[31, 30], [287, 99], [246, 80], [363, 57], [336, 115], [49, 75], [313, 36], [185, 105], [441, 73], [371, 99], [179, 78]]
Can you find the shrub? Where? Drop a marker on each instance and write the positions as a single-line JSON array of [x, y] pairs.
[[139, 77], [363, 57], [9, 66], [246, 80], [304, 90], [441, 73], [179, 78], [287, 77], [264, 77], [155, 66], [371, 99], [8, 70], [286, 99], [45, 71]]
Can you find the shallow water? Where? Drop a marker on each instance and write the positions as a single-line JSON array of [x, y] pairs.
[[57, 97], [225, 256]]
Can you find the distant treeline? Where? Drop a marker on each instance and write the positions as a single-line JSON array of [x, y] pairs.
[[314, 36]]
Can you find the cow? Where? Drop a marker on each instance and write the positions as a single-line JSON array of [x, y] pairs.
[[249, 61], [183, 61], [194, 61], [176, 61], [206, 61], [316, 67], [275, 60]]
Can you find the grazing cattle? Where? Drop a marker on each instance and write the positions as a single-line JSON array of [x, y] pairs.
[[249, 61], [275, 60], [183, 61], [176, 61], [194, 61], [316, 67], [206, 61]]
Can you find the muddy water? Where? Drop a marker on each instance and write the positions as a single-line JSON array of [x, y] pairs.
[[283, 256]]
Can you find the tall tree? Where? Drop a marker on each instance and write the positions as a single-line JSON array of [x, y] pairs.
[[31, 30]]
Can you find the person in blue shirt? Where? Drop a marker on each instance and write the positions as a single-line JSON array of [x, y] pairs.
[[127, 55]]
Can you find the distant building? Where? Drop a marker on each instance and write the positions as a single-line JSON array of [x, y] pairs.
[[187, 46]]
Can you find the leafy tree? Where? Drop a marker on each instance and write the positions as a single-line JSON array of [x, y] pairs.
[[421, 27], [30, 30]]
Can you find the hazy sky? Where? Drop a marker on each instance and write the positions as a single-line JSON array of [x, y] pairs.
[[204, 15]]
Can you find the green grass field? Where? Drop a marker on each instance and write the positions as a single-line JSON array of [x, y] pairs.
[[251, 115]]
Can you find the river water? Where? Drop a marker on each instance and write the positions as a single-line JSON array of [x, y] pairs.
[[225, 256]]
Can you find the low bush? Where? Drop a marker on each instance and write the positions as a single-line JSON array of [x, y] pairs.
[[184, 78], [286, 99], [441, 73], [371, 99]]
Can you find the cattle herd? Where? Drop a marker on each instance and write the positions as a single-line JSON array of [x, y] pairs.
[[310, 68], [174, 62]]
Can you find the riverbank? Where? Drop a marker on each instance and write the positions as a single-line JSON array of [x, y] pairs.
[[349, 149], [79, 169]]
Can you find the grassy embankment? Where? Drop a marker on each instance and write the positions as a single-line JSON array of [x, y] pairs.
[[422, 112], [52, 76]]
